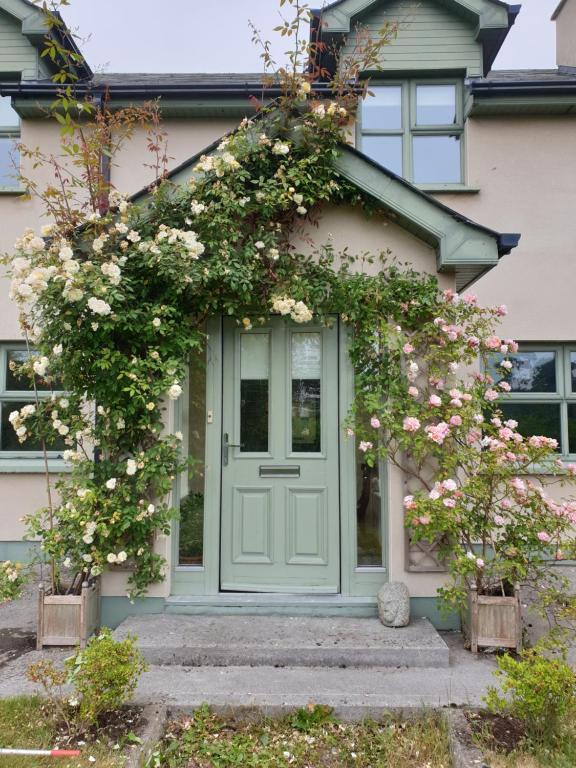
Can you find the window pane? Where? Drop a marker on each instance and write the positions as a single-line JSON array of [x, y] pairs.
[[383, 111], [572, 428], [9, 163], [535, 419], [306, 391], [8, 438], [368, 514], [435, 105], [254, 391], [15, 383], [531, 371], [386, 150], [573, 370], [436, 159], [8, 116], [191, 539]]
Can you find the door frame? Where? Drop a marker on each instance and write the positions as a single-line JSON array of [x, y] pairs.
[[205, 579]]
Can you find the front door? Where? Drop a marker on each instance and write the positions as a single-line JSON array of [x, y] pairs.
[[280, 489]]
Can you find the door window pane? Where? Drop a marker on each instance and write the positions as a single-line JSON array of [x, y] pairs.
[[533, 372], [435, 104], [368, 514], [254, 391], [191, 537], [306, 357], [386, 150], [9, 162], [436, 159], [535, 419], [383, 110]]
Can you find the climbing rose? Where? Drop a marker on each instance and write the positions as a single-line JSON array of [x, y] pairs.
[[365, 445], [375, 422], [411, 424]]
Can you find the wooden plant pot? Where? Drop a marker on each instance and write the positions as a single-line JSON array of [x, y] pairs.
[[495, 621], [68, 619]]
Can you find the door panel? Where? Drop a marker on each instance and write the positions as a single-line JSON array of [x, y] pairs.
[[280, 490]]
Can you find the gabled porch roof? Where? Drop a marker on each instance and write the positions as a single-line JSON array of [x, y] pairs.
[[463, 247]]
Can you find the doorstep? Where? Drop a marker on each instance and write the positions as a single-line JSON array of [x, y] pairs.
[[267, 603], [284, 641]]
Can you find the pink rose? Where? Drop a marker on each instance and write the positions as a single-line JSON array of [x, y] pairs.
[[434, 401], [479, 562], [470, 299], [413, 391], [450, 503], [424, 520], [502, 310], [365, 446], [409, 502], [499, 520], [543, 536], [456, 402], [407, 349], [492, 342], [456, 421], [490, 395], [438, 433], [375, 422], [411, 424]]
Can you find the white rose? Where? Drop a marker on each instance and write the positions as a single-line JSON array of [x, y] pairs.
[[156, 322], [111, 484], [111, 557], [131, 467], [175, 391], [121, 557]]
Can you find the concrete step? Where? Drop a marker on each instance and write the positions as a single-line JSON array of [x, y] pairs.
[[283, 641]]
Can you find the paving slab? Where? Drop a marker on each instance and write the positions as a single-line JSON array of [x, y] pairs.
[[283, 641]]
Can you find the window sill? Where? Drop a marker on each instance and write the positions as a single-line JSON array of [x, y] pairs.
[[13, 191], [453, 189], [10, 466]]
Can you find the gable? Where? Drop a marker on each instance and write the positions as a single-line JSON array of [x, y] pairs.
[[429, 37], [17, 54], [462, 248], [432, 34]]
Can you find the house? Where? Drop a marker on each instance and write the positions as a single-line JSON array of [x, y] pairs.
[[281, 514]]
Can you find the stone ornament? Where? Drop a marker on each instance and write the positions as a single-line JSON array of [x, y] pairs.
[[394, 604]]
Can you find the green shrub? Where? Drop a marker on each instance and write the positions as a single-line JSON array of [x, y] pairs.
[[538, 690], [104, 675]]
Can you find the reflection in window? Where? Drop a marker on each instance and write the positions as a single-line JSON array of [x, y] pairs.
[[535, 419], [436, 104], [9, 162], [368, 514], [21, 383], [9, 439], [191, 537], [254, 391], [533, 372], [436, 159], [573, 370], [385, 150], [383, 110], [572, 428], [306, 356]]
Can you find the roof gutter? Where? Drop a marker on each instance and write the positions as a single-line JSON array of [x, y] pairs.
[[498, 88]]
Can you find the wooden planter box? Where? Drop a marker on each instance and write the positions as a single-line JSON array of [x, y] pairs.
[[495, 621], [68, 619]]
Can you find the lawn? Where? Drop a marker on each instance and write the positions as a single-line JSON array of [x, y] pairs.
[[309, 738], [24, 723]]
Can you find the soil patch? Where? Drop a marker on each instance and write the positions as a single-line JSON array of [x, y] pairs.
[[14, 643], [498, 732]]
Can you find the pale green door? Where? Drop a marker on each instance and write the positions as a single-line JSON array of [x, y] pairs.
[[280, 487]]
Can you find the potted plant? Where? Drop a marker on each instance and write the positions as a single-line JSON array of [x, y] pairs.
[[477, 485]]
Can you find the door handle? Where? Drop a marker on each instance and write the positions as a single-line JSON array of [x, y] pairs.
[[226, 445]]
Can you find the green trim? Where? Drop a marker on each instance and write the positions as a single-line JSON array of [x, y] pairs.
[[32, 466], [20, 551], [514, 105], [452, 189], [428, 607], [169, 107], [113, 610], [13, 191]]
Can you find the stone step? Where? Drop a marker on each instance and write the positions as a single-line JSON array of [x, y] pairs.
[[283, 641]]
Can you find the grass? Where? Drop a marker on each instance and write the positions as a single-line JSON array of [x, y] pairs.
[[25, 724], [309, 738]]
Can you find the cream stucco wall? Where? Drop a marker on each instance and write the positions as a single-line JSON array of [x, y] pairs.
[[525, 168]]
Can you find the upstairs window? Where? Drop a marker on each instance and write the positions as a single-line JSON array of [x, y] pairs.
[[9, 139], [415, 129]]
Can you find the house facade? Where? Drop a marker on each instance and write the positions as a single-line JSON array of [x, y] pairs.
[[475, 171]]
